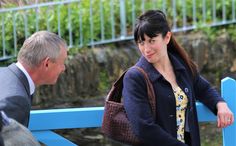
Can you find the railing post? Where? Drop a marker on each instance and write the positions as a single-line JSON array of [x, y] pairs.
[[228, 91], [122, 19]]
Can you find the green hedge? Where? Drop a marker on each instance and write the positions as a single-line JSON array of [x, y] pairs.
[[48, 15]]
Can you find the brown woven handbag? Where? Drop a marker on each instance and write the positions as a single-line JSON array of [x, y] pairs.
[[115, 123]]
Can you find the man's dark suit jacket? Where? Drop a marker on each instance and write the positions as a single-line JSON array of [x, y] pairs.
[[15, 99], [1, 140]]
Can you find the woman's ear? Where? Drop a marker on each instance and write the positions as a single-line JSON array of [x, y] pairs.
[[167, 37]]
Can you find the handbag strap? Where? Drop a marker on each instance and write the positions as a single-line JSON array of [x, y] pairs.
[[115, 93], [150, 91]]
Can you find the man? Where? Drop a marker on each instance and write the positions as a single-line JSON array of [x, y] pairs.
[[40, 61]]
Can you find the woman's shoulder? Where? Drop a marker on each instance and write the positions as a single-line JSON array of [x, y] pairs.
[[133, 73]]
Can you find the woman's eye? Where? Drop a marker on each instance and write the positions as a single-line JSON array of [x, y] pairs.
[[152, 41], [141, 43]]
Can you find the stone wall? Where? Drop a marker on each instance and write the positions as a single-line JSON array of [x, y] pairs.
[[216, 58], [90, 73]]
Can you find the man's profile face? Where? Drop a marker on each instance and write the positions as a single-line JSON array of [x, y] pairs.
[[56, 67]]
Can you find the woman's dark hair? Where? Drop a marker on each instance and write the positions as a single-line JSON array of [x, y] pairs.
[[154, 22]]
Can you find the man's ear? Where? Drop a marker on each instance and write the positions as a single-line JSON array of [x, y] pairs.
[[46, 62]]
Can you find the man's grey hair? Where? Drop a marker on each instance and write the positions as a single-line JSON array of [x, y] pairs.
[[39, 46]]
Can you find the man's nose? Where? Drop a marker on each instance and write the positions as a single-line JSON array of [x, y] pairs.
[[63, 68]]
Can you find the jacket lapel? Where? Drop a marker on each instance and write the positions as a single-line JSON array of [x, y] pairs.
[[21, 76]]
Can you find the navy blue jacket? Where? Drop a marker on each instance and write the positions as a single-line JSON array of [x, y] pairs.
[[161, 131]]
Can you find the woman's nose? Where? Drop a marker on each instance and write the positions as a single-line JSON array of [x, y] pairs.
[[147, 47]]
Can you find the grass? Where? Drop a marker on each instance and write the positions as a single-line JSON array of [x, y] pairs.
[[210, 134]]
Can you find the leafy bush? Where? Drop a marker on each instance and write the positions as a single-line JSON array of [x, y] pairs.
[[84, 28]]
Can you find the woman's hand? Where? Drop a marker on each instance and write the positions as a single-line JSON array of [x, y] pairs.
[[224, 115]]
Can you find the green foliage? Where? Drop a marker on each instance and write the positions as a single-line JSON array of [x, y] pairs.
[[210, 134], [77, 18], [104, 81], [231, 30]]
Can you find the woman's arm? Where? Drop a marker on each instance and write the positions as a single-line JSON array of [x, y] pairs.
[[212, 99], [206, 94]]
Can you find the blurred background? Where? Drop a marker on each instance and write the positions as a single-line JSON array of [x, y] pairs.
[[99, 34]]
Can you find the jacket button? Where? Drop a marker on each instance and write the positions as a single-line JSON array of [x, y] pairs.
[[191, 109], [171, 116], [186, 90]]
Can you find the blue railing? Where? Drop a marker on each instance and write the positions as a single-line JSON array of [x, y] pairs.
[[42, 122], [93, 22]]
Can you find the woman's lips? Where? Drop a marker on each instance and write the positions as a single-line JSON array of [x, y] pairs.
[[149, 55]]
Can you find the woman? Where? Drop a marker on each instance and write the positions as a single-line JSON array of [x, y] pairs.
[[177, 86]]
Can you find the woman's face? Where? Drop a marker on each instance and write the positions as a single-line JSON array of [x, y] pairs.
[[153, 49]]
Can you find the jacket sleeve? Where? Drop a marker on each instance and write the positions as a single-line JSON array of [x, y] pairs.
[[139, 112], [16, 107], [206, 94]]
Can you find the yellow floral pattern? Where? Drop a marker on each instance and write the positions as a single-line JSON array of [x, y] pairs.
[[181, 106]]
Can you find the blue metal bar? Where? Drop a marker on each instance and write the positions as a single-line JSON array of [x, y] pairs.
[[66, 118], [133, 14], [214, 10], [37, 18], [4, 58], [122, 19], [91, 23], [204, 12], [143, 6], [228, 90], [112, 40], [3, 37], [208, 116], [184, 13], [70, 26], [25, 24], [164, 6], [223, 11], [59, 20], [50, 138], [233, 10], [174, 15], [86, 117], [102, 20], [154, 3], [194, 13], [47, 16], [14, 34], [38, 5], [80, 26], [112, 19]]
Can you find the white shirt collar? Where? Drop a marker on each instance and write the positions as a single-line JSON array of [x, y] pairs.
[[31, 83]]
